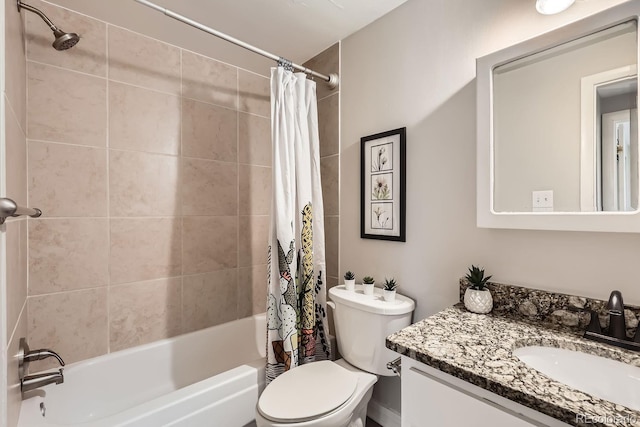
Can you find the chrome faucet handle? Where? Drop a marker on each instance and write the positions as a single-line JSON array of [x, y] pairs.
[[41, 354]]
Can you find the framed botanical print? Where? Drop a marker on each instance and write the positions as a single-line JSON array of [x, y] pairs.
[[382, 185]]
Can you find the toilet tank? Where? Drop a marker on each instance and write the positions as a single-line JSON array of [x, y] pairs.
[[363, 322]]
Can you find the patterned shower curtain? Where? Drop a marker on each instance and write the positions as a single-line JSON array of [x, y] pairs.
[[296, 304]]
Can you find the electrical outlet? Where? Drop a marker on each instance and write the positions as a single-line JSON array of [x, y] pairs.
[[542, 201]]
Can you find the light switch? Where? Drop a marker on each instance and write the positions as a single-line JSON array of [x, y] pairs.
[[542, 201]]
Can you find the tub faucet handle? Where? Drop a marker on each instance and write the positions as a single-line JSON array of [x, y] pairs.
[[41, 354]]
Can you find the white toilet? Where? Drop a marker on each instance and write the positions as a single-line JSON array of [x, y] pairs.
[[336, 394]]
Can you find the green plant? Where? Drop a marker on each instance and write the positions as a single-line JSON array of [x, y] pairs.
[[390, 284], [349, 275], [368, 280], [476, 278]]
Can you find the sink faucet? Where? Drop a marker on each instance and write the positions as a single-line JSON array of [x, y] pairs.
[[31, 382], [616, 334], [617, 326]]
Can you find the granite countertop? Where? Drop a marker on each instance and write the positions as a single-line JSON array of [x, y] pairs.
[[478, 349]]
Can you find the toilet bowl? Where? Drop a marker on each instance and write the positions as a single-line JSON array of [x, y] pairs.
[[336, 394]]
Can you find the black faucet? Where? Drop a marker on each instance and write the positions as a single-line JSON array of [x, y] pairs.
[[617, 326], [616, 333]]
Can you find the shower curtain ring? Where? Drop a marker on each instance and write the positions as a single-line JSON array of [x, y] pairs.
[[285, 63]]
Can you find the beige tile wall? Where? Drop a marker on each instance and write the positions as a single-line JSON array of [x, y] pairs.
[[154, 175], [152, 166], [15, 229]]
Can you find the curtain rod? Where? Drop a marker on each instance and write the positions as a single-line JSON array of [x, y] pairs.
[[332, 79]]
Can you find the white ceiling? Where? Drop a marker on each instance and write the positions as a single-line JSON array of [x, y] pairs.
[[295, 29]]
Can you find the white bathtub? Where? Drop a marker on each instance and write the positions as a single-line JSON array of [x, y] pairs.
[[211, 377]]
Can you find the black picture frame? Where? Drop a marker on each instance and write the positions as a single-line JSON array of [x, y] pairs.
[[383, 179]]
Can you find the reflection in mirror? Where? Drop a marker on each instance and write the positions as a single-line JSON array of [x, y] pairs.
[[565, 134], [609, 123]]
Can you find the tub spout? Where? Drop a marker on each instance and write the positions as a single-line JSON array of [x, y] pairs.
[[32, 382]]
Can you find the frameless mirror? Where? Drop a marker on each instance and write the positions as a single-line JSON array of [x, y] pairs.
[[558, 128]]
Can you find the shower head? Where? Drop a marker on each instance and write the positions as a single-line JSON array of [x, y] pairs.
[[63, 40]]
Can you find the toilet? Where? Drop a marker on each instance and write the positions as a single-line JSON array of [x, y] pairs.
[[336, 394]]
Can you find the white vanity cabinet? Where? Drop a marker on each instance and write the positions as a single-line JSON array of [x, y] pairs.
[[433, 398]]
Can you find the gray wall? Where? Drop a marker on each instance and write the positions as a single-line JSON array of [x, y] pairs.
[[415, 67]]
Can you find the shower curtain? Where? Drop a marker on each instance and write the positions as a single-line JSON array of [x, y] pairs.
[[296, 303]]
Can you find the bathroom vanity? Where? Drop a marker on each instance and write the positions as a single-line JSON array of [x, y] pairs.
[[461, 368], [435, 398]]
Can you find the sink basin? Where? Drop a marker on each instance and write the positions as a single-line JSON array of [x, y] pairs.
[[600, 377]]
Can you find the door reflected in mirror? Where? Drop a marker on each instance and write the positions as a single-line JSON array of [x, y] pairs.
[[565, 126]]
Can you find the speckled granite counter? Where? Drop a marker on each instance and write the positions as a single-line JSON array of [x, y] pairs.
[[478, 349]]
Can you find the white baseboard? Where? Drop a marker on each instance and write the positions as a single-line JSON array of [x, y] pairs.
[[382, 415]]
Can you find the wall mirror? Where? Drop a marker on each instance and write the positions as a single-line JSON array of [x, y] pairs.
[[558, 128]]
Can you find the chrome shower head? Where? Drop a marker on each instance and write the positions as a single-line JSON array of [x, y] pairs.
[[63, 40]]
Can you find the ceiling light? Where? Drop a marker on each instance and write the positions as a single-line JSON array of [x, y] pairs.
[[551, 7]]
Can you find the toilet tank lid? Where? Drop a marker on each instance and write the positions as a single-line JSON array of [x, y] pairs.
[[372, 303]]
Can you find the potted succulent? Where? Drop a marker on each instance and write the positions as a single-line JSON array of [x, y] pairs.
[[389, 289], [349, 281], [477, 297], [367, 285]]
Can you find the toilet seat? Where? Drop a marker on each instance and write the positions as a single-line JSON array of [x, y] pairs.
[[307, 392]]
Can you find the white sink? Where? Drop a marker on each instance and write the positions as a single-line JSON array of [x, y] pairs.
[[600, 377]]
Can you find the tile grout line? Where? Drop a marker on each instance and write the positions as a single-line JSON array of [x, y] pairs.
[[108, 178], [330, 95], [237, 193], [140, 281], [22, 312], [124, 150], [339, 93], [182, 321]]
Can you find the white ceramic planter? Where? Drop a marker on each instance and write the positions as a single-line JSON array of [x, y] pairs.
[[350, 285], [368, 288], [478, 301], [389, 295]]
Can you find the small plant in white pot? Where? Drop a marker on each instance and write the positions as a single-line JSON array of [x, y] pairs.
[[389, 289], [349, 281], [477, 297], [367, 285]]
